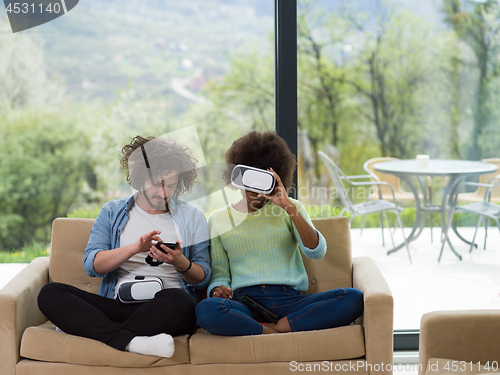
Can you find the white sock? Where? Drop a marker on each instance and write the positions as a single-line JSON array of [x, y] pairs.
[[161, 345]]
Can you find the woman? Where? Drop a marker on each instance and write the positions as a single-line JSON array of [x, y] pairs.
[[261, 256], [124, 233]]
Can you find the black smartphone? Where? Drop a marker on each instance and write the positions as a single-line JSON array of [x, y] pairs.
[[155, 263], [167, 244], [265, 311]]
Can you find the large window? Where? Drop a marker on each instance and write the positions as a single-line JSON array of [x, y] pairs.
[[75, 89], [397, 79]]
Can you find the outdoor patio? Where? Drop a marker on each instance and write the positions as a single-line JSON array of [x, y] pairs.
[[426, 285]]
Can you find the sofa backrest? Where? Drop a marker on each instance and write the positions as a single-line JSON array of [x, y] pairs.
[[334, 270], [69, 240], [70, 237]]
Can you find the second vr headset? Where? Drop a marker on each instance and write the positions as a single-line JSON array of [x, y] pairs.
[[253, 179]]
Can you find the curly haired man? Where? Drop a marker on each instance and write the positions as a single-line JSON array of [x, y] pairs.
[[125, 231]]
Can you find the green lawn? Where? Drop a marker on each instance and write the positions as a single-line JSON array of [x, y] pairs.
[[25, 255], [462, 219]]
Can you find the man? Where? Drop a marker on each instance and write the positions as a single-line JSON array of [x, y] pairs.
[[124, 232]]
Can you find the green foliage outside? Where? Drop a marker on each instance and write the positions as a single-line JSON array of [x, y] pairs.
[[25, 255], [42, 168], [83, 213], [407, 217]]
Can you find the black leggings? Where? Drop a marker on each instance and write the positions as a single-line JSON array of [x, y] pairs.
[[85, 314]]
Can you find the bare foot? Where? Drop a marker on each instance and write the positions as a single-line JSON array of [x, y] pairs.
[[281, 327], [267, 330]]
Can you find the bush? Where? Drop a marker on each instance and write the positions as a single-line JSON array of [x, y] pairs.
[[85, 213], [462, 219], [42, 166], [25, 255]]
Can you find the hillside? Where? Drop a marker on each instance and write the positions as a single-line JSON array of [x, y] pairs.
[[101, 47]]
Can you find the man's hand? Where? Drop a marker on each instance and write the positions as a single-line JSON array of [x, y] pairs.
[[170, 256], [110, 260], [222, 291], [146, 241]]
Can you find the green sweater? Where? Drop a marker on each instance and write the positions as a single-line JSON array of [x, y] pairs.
[[262, 247]]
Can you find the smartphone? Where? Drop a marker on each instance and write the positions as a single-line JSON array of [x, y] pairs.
[[265, 311], [167, 244], [155, 263]]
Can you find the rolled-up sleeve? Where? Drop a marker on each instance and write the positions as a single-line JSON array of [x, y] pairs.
[[320, 250], [100, 239]]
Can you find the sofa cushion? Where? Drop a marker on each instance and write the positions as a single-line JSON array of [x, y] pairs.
[[328, 344], [438, 366], [44, 343]]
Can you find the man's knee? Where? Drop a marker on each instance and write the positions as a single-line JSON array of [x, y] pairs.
[[174, 293], [183, 301], [47, 294]]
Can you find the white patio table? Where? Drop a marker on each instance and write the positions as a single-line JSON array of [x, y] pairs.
[[456, 170]]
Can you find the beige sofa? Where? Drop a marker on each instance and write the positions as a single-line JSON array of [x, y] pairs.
[[462, 342], [29, 345]]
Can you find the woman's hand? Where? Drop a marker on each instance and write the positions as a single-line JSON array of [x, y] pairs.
[[222, 291], [279, 196]]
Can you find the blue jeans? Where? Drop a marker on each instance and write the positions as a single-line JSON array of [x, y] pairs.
[[334, 308]]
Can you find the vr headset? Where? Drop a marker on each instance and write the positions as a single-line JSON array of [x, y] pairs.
[[253, 179], [141, 289]]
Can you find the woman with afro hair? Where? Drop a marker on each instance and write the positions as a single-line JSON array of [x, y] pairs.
[[261, 256]]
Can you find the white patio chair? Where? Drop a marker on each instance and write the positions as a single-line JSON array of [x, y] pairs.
[[380, 206], [485, 209], [478, 195]]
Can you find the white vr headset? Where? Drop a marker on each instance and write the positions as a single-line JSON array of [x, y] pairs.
[[253, 179], [141, 289]]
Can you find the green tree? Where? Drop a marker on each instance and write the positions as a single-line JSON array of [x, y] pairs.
[[42, 166], [477, 24], [246, 91], [394, 69], [452, 9], [23, 74], [322, 92]]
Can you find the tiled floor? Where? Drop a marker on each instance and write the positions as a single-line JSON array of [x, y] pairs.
[[426, 285]]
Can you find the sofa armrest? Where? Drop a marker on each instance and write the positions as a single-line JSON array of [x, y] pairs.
[[378, 313], [463, 335], [19, 310]]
